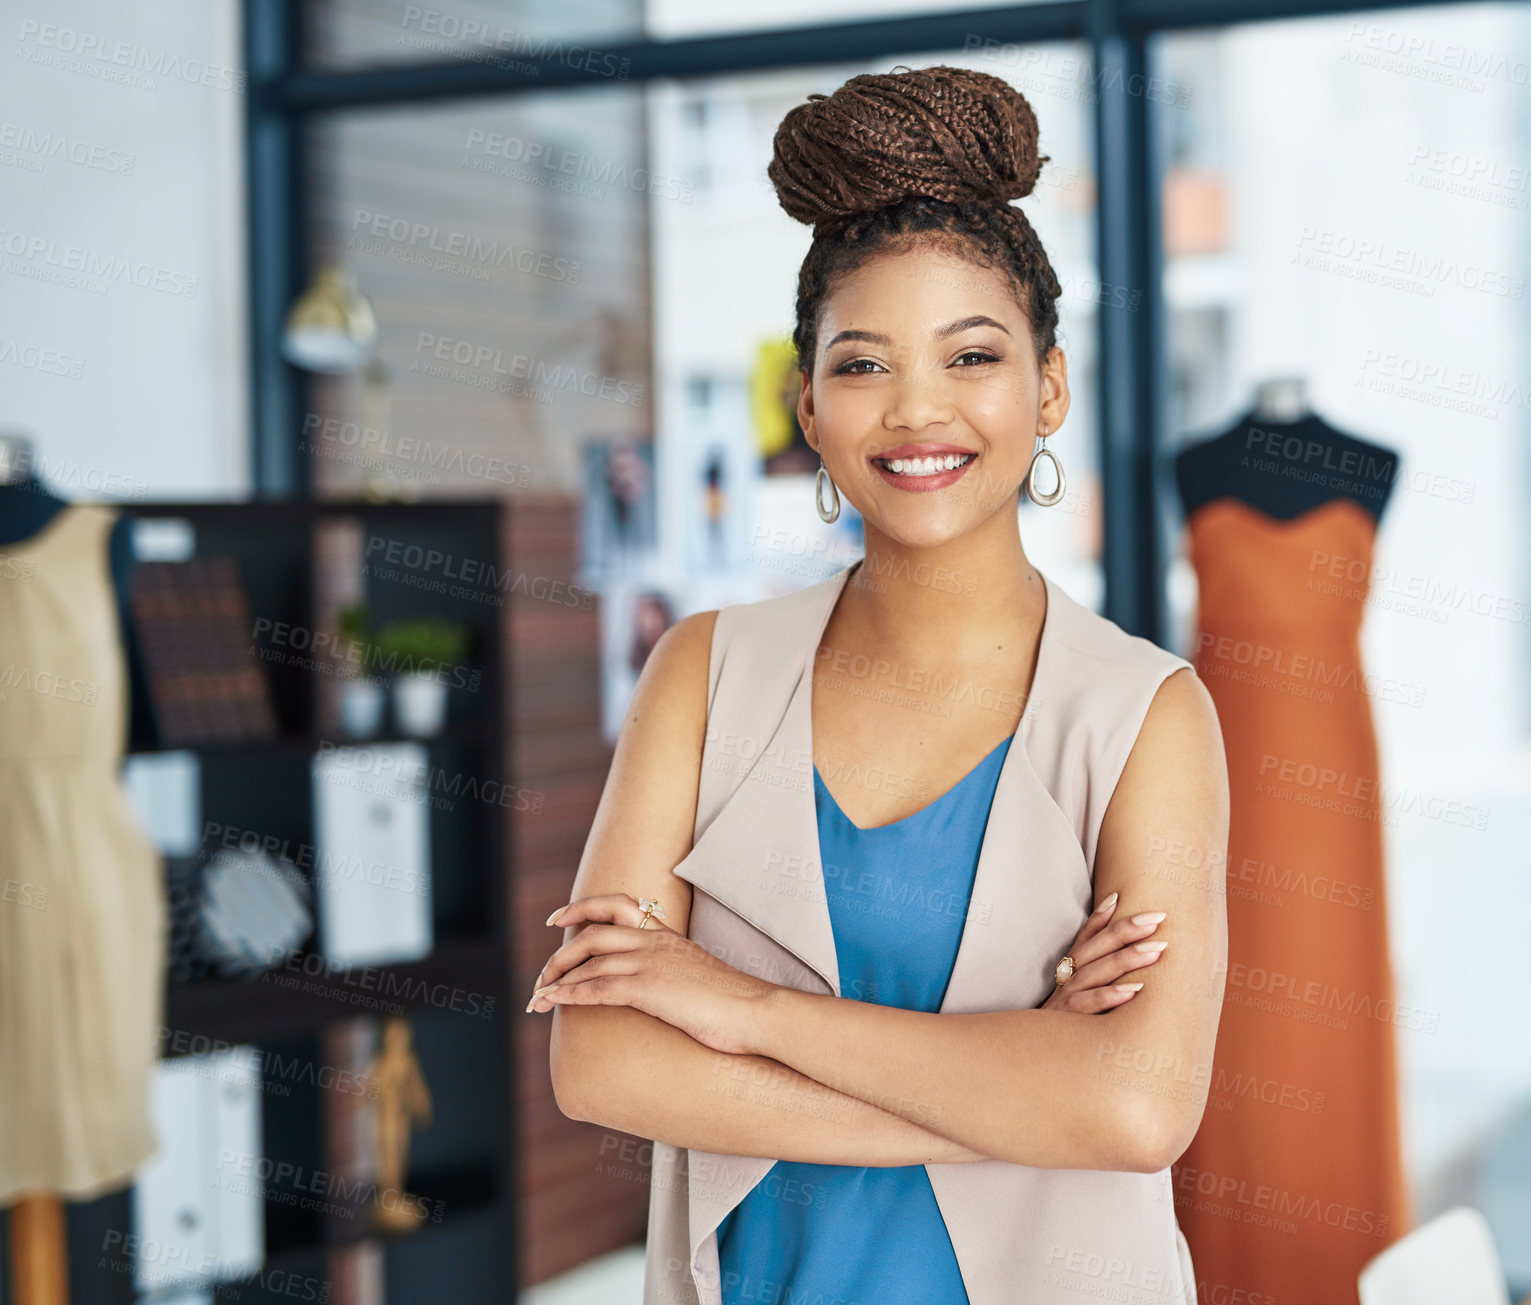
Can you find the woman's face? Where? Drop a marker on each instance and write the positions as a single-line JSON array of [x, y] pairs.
[[923, 354]]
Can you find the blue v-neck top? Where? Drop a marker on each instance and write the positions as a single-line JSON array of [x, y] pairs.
[[898, 896]]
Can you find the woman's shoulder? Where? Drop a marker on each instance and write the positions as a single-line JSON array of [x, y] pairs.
[[1085, 633]]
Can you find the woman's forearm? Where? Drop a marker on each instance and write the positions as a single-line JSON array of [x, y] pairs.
[[1034, 1086], [626, 1070]]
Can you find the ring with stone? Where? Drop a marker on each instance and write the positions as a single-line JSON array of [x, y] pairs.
[[1065, 970], [650, 908]]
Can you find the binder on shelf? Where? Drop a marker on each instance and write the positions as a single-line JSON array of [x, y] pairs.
[[199, 1204], [372, 853]]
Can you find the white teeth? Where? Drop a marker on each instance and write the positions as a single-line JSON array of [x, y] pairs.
[[927, 466]]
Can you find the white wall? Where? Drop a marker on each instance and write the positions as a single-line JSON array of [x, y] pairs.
[[122, 257]]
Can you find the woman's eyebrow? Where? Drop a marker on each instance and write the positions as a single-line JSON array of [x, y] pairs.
[[940, 333]]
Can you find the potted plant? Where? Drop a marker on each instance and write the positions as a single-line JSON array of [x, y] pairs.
[[361, 687], [423, 653]]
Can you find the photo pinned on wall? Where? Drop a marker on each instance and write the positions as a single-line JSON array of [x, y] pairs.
[[718, 474], [633, 616], [618, 535], [775, 384]]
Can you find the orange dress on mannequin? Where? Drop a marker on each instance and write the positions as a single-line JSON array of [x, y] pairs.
[[1294, 1180]]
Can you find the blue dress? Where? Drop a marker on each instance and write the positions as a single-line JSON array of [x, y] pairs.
[[818, 1233]]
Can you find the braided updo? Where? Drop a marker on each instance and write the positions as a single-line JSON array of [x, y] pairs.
[[928, 154]]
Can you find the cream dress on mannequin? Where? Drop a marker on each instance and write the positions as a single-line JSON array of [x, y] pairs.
[[82, 908]]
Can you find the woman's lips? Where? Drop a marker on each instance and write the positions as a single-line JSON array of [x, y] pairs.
[[920, 482]]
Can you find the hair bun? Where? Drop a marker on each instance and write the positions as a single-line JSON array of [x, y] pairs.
[[949, 133]]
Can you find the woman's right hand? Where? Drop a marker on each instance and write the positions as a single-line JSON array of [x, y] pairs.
[[1104, 950]]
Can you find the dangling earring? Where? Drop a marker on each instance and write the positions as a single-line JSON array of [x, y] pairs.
[[829, 515], [1044, 500]]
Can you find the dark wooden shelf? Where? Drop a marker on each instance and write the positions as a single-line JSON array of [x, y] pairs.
[[460, 975], [455, 1196], [470, 731]]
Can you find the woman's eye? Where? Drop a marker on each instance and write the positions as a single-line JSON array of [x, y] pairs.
[[846, 368], [978, 354]]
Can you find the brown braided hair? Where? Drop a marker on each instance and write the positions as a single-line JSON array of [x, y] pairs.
[[929, 155]]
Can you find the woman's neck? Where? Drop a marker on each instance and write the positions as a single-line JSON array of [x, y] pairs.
[[974, 595]]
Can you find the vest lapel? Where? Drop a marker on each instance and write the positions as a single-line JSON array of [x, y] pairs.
[[760, 854]]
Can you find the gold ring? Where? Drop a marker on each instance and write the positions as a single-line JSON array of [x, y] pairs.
[[650, 908], [1065, 970]]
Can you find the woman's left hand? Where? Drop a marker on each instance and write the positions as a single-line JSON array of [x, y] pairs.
[[612, 962]]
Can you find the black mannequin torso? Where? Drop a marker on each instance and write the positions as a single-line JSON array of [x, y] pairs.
[[1285, 468], [27, 507]]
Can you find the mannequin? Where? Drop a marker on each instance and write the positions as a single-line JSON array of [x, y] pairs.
[[1284, 459], [1282, 512], [27, 508]]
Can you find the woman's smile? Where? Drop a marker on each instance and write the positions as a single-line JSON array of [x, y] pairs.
[[924, 467]]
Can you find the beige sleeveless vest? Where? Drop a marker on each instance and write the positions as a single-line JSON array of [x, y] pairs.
[[1042, 1236]]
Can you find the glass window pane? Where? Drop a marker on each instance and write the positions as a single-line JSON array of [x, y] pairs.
[[502, 246], [351, 33]]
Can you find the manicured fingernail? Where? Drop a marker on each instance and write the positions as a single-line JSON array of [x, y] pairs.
[[551, 918], [1149, 917], [1151, 946], [1108, 903], [1128, 987], [539, 993]]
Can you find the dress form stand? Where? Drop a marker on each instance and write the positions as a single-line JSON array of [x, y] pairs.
[[1282, 512], [38, 1245]]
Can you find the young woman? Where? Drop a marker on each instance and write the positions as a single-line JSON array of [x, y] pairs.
[[895, 929]]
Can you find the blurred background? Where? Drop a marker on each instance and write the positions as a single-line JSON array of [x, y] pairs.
[[426, 363]]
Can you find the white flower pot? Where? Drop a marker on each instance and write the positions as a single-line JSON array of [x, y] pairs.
[[361, 707], [419, 704]]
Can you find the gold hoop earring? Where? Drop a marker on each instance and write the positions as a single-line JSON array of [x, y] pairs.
[[828, 515], [1041, 451]]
